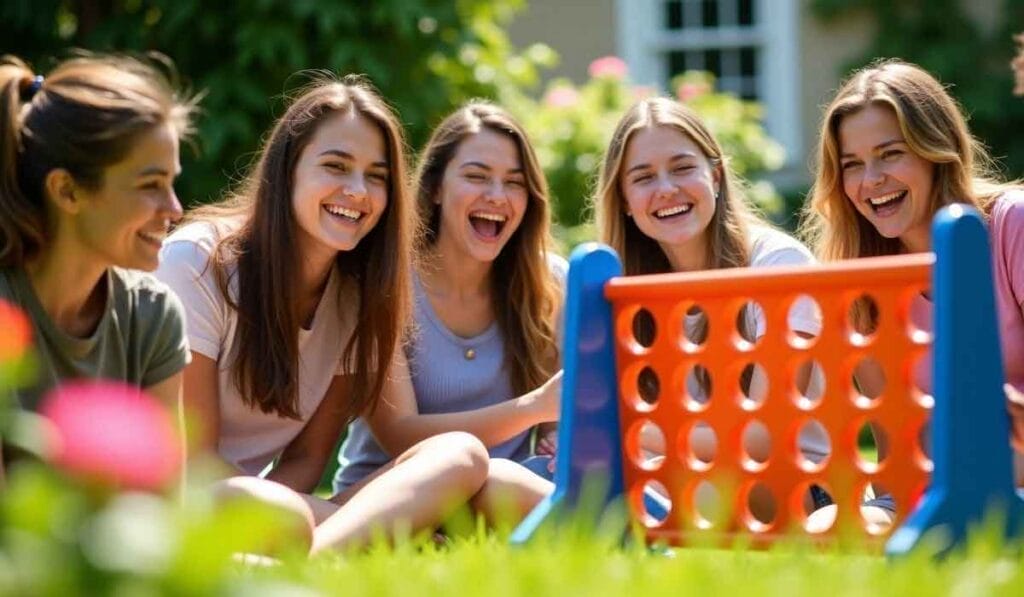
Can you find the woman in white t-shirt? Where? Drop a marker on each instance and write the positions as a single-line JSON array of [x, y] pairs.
[[297, 294], [668, 202]]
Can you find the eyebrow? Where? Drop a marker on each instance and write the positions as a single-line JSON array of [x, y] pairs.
[[157, 171], [678, 156], [348, 156], [876, 147], [473, 164]]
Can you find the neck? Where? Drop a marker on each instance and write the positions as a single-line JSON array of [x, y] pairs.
[[918, 240], [690, 256], [65, 279], [314, 271], [456, 272]]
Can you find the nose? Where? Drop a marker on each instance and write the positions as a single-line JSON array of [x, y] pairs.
[[873, 174], [356, 187], [173, 206], [665, 185], [496, 191]]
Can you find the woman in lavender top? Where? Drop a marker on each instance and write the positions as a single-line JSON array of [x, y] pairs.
[[484, 354]]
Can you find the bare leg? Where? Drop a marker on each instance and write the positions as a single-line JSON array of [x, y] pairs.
[[423, 486], [298, 519], [510, 493]]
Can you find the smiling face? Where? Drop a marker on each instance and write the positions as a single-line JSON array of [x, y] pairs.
[[669, 186], [483, 196], [124, 222], [341, 184], [888, 184]]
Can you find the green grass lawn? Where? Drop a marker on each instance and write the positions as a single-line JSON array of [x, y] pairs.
[[487, 565]]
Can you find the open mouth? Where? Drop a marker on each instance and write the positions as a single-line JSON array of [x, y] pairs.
[[487, 225], [674, 211], [343, 213], [886, 204]]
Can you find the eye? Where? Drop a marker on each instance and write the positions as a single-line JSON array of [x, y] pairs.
[[336, 166], [682, 169], [891, 154], [642, 178], [849, 165], [516, 182], [475, 177], [151, 185], [381, 177]]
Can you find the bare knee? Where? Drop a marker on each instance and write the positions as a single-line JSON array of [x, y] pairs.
[[462, 458], [294, 518], [511, 492]]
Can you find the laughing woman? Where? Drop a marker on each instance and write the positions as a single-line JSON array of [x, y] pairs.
[[894, 149], [297, 292], [89, 156], [486, 297]]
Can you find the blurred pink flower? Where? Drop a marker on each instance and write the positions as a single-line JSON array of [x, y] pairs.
[[562, 96], [113, 433], [16, 334], [611, 67], [688, 90]]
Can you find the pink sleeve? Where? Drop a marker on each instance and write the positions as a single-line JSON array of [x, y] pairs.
[[1008, 241]]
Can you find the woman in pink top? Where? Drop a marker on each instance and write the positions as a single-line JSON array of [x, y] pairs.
[[895, 148]]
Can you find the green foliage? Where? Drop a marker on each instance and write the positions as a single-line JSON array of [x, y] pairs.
[[940, 36], [571, 127], [426, 56]]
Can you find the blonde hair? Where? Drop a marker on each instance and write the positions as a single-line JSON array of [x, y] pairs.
[[727, 243], [525, 294], [934, 128]]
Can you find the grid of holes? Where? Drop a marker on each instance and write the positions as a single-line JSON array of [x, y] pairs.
[[643, 389]]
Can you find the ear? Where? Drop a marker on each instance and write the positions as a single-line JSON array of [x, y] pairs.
[[62, 191], [716, 177]]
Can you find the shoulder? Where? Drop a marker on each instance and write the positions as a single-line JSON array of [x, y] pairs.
[[193, 243], [147, 295], [558, 266], [769, 246], [1009, 207]]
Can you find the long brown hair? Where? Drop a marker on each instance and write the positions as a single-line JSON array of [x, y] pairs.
[[727, 243], [524, 292], [263, 246], [934, 128], [85, 116]]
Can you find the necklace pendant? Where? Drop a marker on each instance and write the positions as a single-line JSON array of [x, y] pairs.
[[470, 354]]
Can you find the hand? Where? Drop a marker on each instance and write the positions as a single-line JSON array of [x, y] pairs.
[[548, 398], [547, 444], [1015, 406]]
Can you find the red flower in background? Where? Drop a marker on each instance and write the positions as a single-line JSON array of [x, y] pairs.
[[15, 332], [113, 433]]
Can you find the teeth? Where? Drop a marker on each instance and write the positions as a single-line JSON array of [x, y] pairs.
[[491, 217], [338, 210], [671, 211], [882, 200]]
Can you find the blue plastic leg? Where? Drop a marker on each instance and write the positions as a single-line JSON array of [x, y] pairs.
[[970, 445], [588, 430]]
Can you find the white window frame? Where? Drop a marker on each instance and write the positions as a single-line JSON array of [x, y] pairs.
[[643, 43]]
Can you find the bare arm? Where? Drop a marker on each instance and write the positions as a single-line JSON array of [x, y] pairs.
[[201, 409], [397, 424], [302, 462]]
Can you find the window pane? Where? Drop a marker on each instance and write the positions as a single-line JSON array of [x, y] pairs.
[[748, 62], [710, 14], [674, 14], [676, 62], [746, 16], [713, 61]]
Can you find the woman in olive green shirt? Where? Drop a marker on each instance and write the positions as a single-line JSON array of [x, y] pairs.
[[89, 156]]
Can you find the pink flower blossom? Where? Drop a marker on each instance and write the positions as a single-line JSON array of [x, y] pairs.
[[689, 90], [611, 67], [562, 96], [113, 433]]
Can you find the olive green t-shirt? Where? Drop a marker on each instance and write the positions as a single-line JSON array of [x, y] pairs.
[[140, 339]]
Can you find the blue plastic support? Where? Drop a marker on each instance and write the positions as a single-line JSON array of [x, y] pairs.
[[973, 474], [588, 429]]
